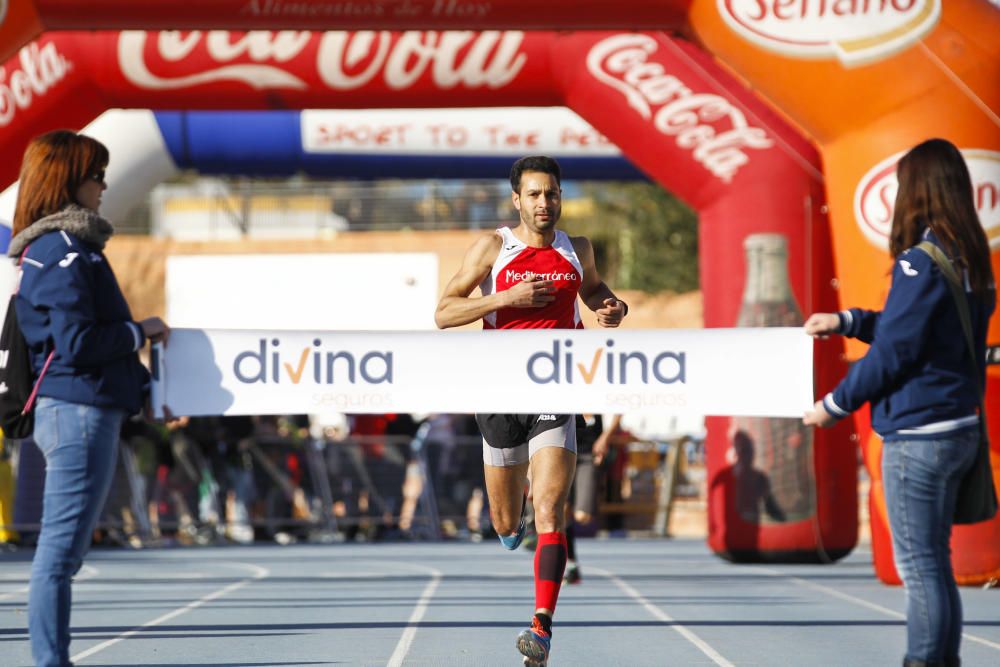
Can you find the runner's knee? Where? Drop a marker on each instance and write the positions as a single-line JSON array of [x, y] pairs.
[[549, 516]]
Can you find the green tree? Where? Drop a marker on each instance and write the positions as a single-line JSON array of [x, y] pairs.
[[644, 238]]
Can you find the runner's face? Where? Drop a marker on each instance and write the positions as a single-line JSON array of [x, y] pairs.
[[539, 201]]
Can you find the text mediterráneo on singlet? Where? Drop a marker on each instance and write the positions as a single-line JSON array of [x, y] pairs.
[[518, 276]]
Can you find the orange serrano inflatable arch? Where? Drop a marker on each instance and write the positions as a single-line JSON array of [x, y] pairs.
[[861, 80], [863, 95]]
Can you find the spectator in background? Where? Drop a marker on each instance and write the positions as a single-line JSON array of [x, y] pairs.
[[126, 508], [195, 446], [482, 209], [277, 453], [171, 484], [593, 442], [438, 450], [342, 458], [468, 483], [189, 483], [233, 438]]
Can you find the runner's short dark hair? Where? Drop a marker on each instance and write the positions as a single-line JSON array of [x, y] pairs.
[[541, 163]]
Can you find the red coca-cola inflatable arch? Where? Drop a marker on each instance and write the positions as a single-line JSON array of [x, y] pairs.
[[863, 81]]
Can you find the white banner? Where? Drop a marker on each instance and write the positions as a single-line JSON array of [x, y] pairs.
[[765, 372], [303, 291], [513, 131]]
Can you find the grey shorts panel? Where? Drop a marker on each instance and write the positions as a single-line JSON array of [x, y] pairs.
[[508, 456], [563, 436]]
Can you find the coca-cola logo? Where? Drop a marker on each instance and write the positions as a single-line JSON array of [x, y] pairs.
[[854, 32], [344, 60], [710, 126], [41, 68], [875, 196]]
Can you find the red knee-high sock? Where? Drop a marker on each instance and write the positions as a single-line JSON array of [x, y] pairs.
[[550, 564]]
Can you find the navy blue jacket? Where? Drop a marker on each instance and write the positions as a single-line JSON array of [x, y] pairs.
[[69, 299], [916, 374]]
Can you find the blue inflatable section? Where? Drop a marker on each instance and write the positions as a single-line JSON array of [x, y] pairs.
[[269, 144]]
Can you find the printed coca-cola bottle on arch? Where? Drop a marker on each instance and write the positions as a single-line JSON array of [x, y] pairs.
[[771, 456]]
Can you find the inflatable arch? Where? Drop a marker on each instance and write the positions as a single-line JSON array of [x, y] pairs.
[[150, 147], [388, 143], [862, 79]]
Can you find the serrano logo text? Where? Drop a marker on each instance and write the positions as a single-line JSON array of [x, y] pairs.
[[615, 367], [316, 365], [875, 195], [855, 31]]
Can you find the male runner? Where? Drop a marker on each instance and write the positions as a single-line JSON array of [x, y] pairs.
[[529, 277]]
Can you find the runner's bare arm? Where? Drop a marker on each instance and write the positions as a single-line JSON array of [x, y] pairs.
[[457, 307], [597, 296]]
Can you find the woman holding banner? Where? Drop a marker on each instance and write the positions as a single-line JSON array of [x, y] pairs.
[[923, 387], [78, 326]]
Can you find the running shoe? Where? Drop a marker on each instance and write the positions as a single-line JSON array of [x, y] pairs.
[[572, 575], [530, 542], [534, 644], [511, 542]]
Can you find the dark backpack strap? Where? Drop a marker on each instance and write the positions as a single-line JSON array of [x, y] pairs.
[[955, 284]]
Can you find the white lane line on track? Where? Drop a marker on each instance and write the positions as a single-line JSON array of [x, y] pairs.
[[86, 572], [864, 603], [661, 615], [14, 593], [403, 646], [259, 573]]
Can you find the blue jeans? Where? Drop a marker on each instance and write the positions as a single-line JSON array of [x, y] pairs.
[[80, 444], [921, 480]]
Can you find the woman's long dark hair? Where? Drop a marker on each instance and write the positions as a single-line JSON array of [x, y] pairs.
[[55, 165], [935, 191]]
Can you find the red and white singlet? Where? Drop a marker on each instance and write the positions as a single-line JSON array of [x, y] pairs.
[[515, 262]]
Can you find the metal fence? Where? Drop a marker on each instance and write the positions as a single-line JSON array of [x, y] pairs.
[[241, 480], [213, 208]]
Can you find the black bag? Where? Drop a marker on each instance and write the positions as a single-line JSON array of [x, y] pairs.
[[977, 494], [17, 419], [18, 385]]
